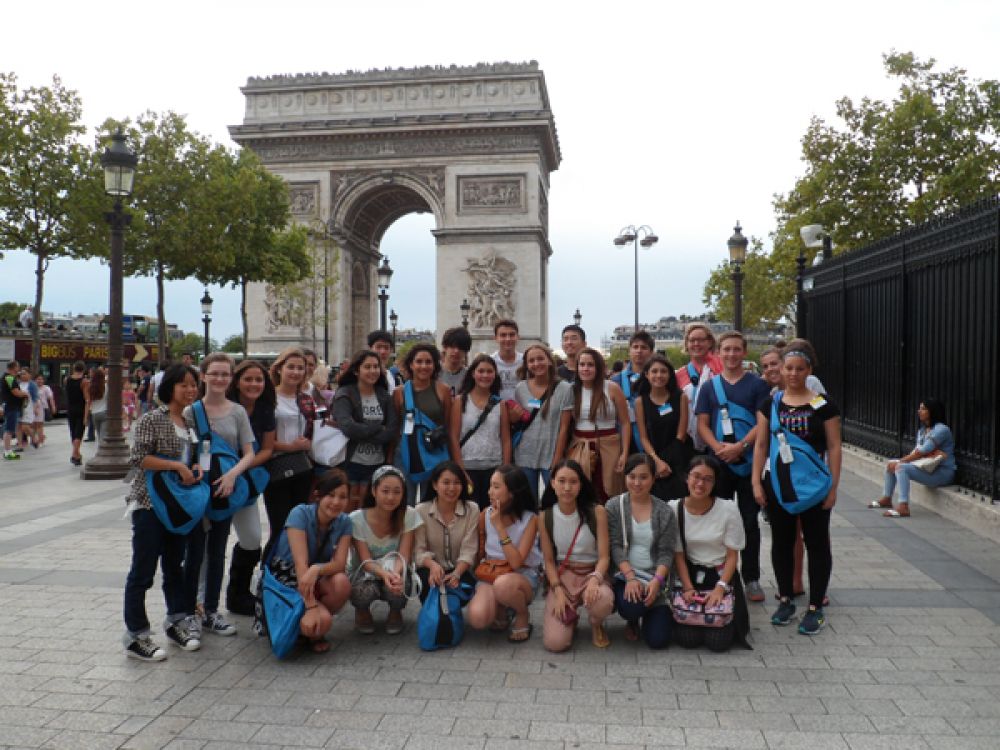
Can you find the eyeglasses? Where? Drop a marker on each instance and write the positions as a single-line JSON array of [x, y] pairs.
[[697, 478], [699, 340]]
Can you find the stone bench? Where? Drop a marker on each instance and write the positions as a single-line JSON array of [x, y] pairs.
[[966, 507]]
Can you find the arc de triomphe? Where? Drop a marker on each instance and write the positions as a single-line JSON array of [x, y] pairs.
[[472, 145]]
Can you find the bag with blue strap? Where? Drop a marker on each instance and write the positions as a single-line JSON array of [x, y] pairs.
[[424, 444], [224, 458], [440, 623], [279, 607], [630, 389], [178, 506], [800, 477], [732, 425]]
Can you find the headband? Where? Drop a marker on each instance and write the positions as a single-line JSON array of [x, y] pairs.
[[797, 353], [382, 471]]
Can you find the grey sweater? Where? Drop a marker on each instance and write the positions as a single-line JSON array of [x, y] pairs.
[[665, 534]]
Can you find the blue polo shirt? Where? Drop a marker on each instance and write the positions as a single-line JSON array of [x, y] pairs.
[[304, 517]]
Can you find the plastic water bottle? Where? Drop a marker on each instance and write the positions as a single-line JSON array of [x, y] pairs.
[[205, 456]]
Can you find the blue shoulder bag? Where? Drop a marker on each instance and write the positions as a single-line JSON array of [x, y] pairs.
[[224, 458], [630, 397], [800, 477], [440, 623], [426, 445], [732, 424], [178, 506], [282, 608]]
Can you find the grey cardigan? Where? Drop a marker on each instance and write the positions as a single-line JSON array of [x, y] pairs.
[[665, 534]]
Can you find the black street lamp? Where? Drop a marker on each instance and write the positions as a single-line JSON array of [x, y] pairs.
[[384, 276], [465, 307], [112, 458], [644, 236], [393, 319], [577, 317], [737, 257], [206, 309]]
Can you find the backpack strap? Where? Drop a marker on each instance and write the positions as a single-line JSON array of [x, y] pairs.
[[493, 401], [201, 420], [720, 393], [693, 373]]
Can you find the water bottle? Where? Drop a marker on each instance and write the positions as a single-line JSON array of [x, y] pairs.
[[205, 456]]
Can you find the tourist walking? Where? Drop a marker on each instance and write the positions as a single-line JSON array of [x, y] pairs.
[[76, 409], [46, 407], [13, 401], [98, 404]]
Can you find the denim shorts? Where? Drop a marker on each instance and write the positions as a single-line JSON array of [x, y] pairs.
[[359, 473], [10, 419]]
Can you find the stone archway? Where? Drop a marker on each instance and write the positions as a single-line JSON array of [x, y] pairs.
[[474, 146]]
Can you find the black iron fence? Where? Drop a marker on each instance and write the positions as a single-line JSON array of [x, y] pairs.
[[911, 317]]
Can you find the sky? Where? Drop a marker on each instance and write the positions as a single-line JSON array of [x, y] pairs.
[[682, 116]]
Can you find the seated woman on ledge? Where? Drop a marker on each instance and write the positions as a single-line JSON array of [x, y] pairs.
[[934, 441]]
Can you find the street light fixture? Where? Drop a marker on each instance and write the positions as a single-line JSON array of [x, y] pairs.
[[577, 317], [206, 309], [737, 257], [644, 236], [384, 277], [465, 307], [393, 319], [112, 458]]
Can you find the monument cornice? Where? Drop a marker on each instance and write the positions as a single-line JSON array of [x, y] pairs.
[[456, 235], [415, 74]]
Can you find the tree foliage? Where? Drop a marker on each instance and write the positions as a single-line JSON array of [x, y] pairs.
[[233, 344], [884, 166], [40, 164]]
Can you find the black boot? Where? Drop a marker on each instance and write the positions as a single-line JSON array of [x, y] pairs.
[[238, 598]]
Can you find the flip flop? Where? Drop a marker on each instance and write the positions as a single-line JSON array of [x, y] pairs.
[[896, 514], [882, 503], [599, 637], [518, 631]]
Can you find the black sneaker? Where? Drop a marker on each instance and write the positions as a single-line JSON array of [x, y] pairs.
[[180, 636], [812, 622], [145, 650], [783, 614]]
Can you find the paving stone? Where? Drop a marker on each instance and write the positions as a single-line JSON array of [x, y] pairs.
[[292, 736], [436, 725], [777, 740], [741, 738], [203, 729], [84, 741], [355, 739], [566, 731], [645, 735]]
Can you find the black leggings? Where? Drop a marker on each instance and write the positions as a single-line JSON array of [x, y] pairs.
[[740, 489], [815, 534], [279, 499]]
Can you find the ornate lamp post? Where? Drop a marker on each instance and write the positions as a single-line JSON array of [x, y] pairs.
[[206, 310], [644, 236], [737, 257], [577, 317], [393, 319], [465, 307], [384, 276], [111, 460]]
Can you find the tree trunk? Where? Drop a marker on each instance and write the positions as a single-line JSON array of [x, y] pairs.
[[161, 318], [36, 318], [243, 316]]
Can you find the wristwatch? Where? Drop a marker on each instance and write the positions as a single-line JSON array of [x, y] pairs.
[[726, 588], [746, 446]]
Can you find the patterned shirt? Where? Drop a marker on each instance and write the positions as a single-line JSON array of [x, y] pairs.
[[152, 435]]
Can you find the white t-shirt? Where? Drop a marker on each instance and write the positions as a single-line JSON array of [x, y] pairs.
[[289, 419], [563, 529], [508, 374], [709, 536], [379, 546], [606, 419]]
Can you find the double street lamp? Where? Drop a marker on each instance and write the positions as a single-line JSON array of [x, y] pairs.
[[111, 459], [737, 257], [644, 236], [384, 276], [206, 310]]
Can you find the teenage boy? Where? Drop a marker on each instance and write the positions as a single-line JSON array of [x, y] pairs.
[[13, 400], [640, 349], [380, 342], [455, 347], [574, 339], [741, 389], [508, 359]]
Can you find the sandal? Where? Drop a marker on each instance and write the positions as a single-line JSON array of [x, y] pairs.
[[319, 646], [520, 635], [631, 632], [891, 513], [883, 502], [599, 636], [500, 625]]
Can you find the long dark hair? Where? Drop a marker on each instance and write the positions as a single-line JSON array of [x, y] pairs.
[[440, 469], [423, 347], [553, 373], [586, 498], [936, 409], [349, 376], [469, 381], [268, 395], [598, 399], [328, 483], [644, 385], [398, 515], [97, 385], [522, 499]]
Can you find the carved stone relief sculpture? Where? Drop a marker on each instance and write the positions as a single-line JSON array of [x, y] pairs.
[[502, 194], [302, 199], [280, 309], [491, 290]]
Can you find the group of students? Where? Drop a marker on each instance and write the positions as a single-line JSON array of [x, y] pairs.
[[27, 403], [503, 474]]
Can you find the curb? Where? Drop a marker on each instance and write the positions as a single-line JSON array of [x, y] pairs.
[[965, 507]]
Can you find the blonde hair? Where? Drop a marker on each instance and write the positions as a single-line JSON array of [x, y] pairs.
[[286, 354]]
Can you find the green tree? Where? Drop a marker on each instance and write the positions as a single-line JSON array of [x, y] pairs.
[[41, 160], [10, 310], [764, 288], [884, 166], [193, 343], [233, 344]]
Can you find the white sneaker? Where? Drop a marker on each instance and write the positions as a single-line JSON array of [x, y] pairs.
[[178, 634], [144, 649], [214, 622]]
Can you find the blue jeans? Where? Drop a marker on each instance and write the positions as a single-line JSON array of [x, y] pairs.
[[656, 621], [152, 543], [195, 552], [11, 417], [532, 475], [905, 473]]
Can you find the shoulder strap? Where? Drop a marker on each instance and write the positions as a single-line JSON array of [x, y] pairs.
[[408, 396], [720, 392], [547, 519], [775, 418], [680, 525], [307, 408], [201, 419], [481, 524], [494, 400], [621, 508], [693, 373]]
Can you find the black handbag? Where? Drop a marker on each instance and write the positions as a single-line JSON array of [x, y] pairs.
[[288, 465]]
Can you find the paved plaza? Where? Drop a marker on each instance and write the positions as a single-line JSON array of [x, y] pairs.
[[910, 657]]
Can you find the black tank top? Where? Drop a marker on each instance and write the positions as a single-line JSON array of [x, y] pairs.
[[74, 394], [662, 428]]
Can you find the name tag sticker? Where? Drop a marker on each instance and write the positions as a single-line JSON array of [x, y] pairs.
[[631, 413], [727, 423], [535, 403], [784, 450], [634, 376], [408, 425], [666, 409], [818, 403]]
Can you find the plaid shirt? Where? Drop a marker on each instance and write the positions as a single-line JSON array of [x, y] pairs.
[[152, 435]]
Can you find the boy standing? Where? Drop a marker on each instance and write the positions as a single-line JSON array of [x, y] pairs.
[[455, 347], [574, 339], [508, 359], [640, 349]]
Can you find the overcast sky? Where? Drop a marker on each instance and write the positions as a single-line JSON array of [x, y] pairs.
[[682, 116]]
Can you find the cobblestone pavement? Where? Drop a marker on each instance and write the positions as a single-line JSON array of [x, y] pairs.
[[910, 657]]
